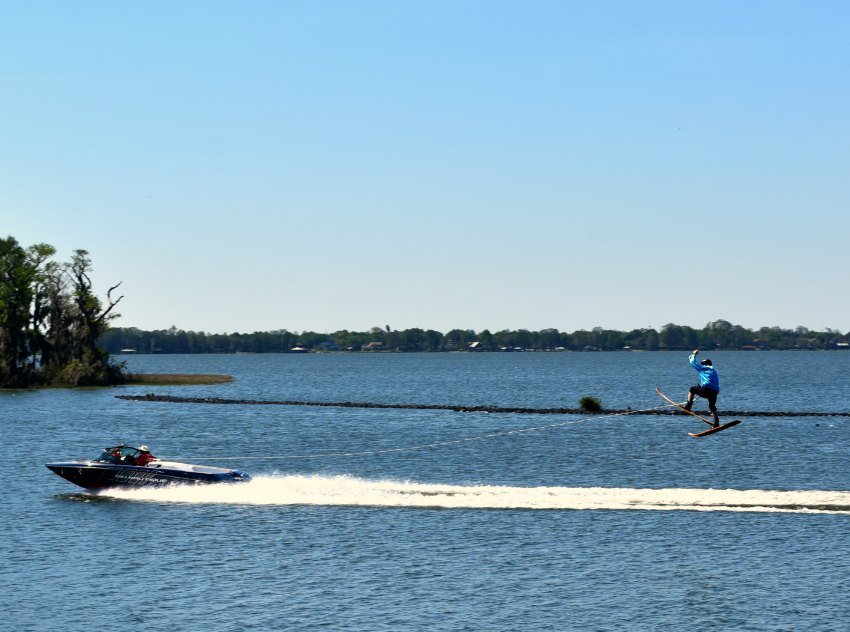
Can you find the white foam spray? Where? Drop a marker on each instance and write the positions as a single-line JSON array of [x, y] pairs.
[[350, 491]]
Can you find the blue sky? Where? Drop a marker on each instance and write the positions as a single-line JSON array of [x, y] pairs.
[[251, 166]]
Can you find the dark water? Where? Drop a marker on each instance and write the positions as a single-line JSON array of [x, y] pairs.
[[486, 522]]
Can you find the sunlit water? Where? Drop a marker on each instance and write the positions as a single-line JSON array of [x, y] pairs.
[[370, 519]]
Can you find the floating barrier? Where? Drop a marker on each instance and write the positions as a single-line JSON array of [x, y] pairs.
[[152, 397]]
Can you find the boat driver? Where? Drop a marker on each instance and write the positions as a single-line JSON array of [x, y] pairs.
[[145, 456]]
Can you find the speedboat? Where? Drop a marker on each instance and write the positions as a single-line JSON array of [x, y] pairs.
[[128, 466]]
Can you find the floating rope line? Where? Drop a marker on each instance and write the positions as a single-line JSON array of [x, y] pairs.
[[428, 446], [152, 397]]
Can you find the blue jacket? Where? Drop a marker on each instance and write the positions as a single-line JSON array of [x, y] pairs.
[[707, 375]]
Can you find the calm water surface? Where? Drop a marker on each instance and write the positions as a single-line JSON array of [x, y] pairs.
[[364, 519]]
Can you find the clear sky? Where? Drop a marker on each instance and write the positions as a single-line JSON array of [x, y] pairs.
[[321, 165]]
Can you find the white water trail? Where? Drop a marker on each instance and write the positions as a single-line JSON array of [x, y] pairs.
[[350, 491]]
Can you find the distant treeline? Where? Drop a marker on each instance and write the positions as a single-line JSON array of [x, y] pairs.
[[719, 334]]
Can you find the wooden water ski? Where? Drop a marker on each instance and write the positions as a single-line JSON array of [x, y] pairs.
[[704, 433], [682, 408]]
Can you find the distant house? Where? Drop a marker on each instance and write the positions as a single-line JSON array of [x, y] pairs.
[[374, 346], [474, 346]]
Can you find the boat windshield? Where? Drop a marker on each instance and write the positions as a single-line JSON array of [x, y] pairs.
[[118, 454]]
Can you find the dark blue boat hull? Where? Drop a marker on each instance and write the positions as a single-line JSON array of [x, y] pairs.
[[105, 475]]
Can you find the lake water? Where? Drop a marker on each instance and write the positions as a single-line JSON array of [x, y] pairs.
[[387, 519]]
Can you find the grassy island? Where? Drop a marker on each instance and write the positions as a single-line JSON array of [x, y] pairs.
[[176, 379]]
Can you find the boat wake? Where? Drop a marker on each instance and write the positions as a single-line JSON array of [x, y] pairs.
[[350, 491]]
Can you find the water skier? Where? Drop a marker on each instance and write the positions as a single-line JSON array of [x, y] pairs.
[[708, 387]]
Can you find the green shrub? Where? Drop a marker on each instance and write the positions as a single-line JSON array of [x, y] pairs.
[[590, 404]]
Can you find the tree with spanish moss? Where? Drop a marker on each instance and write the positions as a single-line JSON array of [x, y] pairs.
[[17, 280], [51, 320]]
